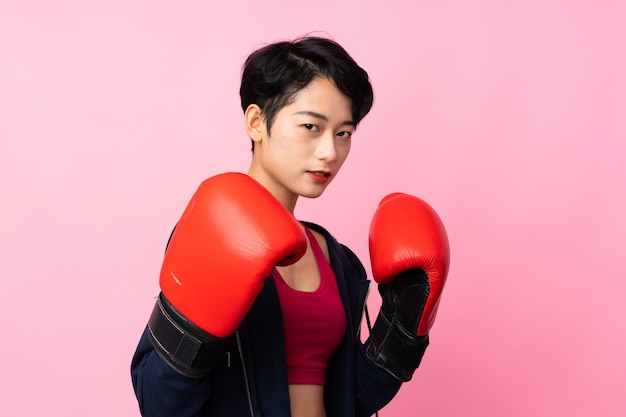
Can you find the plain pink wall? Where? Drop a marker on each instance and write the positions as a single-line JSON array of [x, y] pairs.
[[508, 117]]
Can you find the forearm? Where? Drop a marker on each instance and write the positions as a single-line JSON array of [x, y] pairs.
[[375, 387]]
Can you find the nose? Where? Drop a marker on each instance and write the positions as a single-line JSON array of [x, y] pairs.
[[326, 148]]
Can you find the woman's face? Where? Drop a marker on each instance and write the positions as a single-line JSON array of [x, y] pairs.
[[308, 143]]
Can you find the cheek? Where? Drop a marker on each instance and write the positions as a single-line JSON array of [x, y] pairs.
[[289, 141], [282, 145], [343, 151]]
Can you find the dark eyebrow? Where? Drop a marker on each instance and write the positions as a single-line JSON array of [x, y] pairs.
[[322, 117]]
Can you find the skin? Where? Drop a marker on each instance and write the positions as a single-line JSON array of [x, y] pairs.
[[309, 141]]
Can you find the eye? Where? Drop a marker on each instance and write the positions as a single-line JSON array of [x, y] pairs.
[[311, 127], [345, 134]]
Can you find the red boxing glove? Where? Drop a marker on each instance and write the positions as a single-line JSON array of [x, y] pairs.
[[406, 233], [229, 239]]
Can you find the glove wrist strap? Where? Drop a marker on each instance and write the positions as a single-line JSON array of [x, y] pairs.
[[185, 347], [394, 349]]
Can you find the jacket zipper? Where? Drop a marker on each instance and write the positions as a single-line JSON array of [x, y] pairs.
[[245, 373]]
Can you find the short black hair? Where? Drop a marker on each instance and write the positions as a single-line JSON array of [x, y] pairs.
[[275, 73]]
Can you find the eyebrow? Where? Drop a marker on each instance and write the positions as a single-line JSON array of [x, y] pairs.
[[322, 117]]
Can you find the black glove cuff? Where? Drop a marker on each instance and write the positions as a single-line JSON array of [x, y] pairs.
[[394, 349], [185, 347]]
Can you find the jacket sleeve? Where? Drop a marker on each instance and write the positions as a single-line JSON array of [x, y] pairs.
[[160, 390]]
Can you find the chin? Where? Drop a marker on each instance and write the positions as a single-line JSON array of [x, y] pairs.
[[312, 193]]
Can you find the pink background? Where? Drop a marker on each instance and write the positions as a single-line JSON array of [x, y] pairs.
[[508, 117]]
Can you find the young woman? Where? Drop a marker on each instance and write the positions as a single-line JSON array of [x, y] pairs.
[[259, 314]]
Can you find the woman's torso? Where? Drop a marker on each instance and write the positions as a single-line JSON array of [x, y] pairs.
[[306, 400]]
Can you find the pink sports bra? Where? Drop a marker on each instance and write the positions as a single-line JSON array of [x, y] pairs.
[[314, 322]]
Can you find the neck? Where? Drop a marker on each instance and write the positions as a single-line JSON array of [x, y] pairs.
[[284, 197]]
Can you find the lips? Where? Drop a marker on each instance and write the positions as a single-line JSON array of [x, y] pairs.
[[319, 176]]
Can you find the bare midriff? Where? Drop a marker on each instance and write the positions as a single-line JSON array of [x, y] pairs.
[[307, 400]]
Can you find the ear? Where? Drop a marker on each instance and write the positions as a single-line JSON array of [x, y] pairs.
[[254, 122]]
